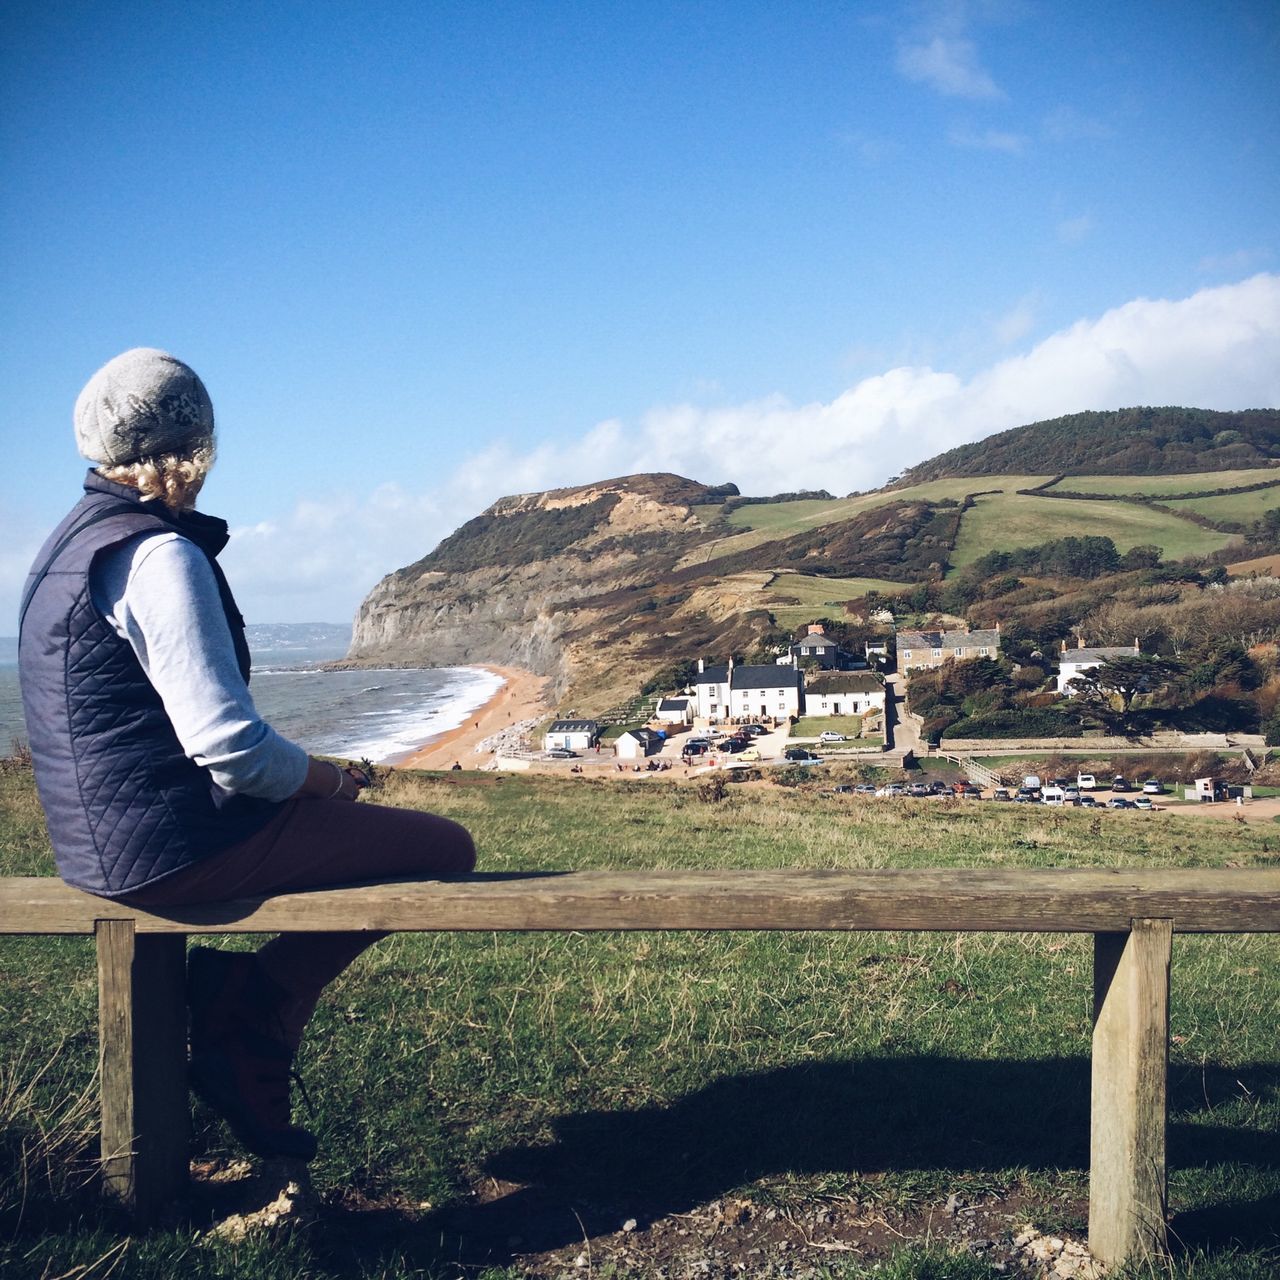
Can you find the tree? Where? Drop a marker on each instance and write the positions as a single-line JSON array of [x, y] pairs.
[[1124, 678]]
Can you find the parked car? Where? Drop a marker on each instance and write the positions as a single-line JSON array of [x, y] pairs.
[[734, 745], [843, 789], [959, 788], [1153, 787], [1086, 781], [1071, 794], [830, 735], [753, 730], [1001, 793], [892, 789], [1025, 797], [918, 789], [749, 754], [695, 748], [1119, 784], [865, 789], [1144, 802], [1119, 802], [798, 753], [938, 788], [561, 753], [1089, 802]]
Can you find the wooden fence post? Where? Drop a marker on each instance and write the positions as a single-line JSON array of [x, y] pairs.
[[142, 1061], [1127, 1175]]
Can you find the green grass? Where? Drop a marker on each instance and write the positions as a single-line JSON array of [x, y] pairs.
[[1018, 520], [768, 521], [1155, 486], [1232, 506], [645, 1075], [811, 726], [816, 597]]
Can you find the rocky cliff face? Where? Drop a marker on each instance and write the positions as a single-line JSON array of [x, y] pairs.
[[547, 581]]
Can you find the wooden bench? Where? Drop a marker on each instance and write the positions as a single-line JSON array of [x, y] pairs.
[[1132, 914]]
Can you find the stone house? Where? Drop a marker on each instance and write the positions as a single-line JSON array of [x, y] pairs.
[[927, 649]]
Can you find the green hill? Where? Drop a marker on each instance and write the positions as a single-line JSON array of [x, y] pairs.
[[1138, 441]]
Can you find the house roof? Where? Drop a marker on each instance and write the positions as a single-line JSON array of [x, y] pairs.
[[640, 735], [844, 682], [1092, 657], [948, 639], [815, 642], [770, 677], [717, 674], [673, 704], [574, 726]]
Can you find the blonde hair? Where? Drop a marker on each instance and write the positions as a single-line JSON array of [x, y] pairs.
[[172, 479]]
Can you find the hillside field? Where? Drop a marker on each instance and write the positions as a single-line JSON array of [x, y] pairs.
[[499, 1106], [1156, 486], [1012, 520]]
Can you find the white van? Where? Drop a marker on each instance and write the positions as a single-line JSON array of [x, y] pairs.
[[1086, 781], [1052, 795], [1031, 782]]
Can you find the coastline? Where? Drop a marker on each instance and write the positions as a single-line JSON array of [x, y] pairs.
[[521, 697]]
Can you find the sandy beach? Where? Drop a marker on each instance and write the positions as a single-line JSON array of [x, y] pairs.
[[522, 697]]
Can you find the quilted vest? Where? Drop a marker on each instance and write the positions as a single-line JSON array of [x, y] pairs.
[[125, 806]]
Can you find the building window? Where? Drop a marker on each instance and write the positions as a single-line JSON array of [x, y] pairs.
[[937, 653], [906, 653], [982, 653], [959, 653]]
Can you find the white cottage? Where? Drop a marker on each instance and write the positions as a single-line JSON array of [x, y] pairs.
[[1077, 661], [733, 692], [571, 735], [844, 693]]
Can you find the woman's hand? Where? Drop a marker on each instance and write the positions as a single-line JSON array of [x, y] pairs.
[[328, 781]]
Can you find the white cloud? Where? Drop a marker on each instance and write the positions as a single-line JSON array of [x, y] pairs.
[[1217, 349], [1013, 144], [949, 64]]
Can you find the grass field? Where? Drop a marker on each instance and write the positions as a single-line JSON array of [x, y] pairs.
[[1019, 520], [1162, 484], [500, 1106], [1232, 506], [767, 521], [817, 596]]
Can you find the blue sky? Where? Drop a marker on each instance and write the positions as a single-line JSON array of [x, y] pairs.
[[428, 254]]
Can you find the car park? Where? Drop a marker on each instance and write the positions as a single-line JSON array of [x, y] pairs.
[[1153, 787], [1119, 802], [830, 735]]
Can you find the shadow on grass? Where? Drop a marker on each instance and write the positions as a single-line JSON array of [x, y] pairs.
[[873, 1116]]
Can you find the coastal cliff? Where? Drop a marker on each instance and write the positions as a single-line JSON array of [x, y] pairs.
[[546, 581]]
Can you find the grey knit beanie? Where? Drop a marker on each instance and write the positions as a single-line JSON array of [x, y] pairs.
[[142, 404]]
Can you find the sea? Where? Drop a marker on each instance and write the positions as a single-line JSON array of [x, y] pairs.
[[378, 715]]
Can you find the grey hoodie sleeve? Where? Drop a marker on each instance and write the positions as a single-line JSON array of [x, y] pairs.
[[159, 593]]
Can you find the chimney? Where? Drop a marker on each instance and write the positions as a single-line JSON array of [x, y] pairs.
[[702, 665], [731, 664], [1064, 646], [817, 629], [1080, 645], [1135, 645]]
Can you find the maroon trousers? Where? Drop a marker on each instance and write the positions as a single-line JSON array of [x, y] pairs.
[[314, 844]]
